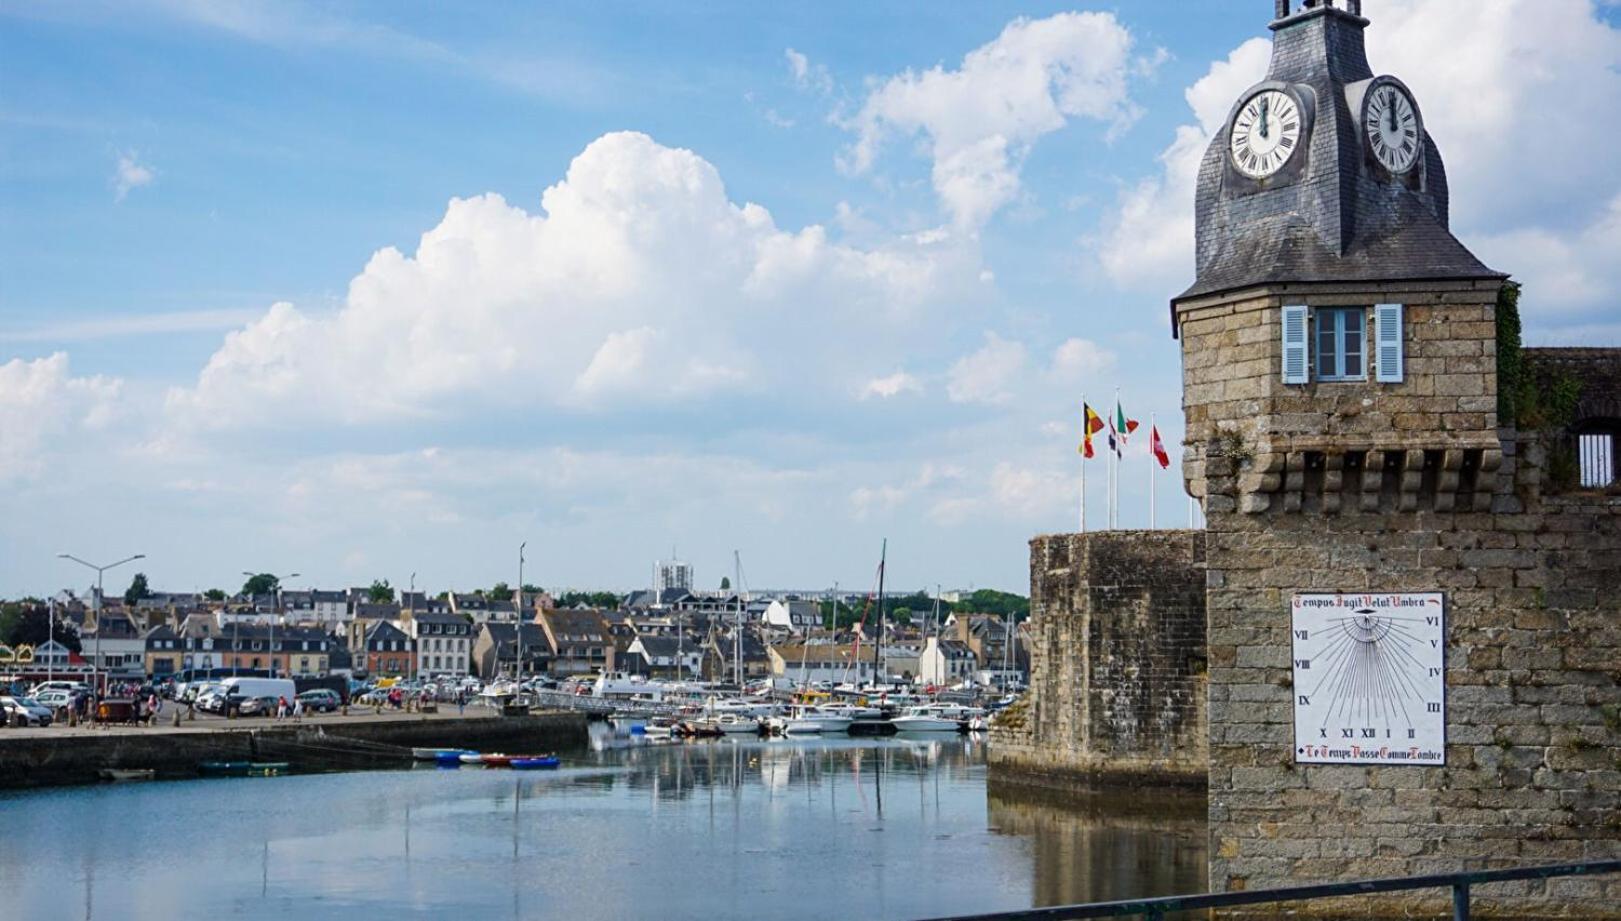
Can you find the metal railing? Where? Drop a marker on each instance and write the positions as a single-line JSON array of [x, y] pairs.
[[1157, 908]]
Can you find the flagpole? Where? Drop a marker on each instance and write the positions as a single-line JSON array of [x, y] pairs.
[[1085, 435], [1119, 444], [1153, 472]]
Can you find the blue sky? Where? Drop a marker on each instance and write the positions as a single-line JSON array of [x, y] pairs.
[[807, 275]]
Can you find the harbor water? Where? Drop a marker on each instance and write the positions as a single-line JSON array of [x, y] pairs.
[[820, 828]]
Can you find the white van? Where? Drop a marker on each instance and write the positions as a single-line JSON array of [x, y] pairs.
[[235, 690]]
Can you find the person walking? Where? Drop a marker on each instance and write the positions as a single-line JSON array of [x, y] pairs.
[[298, 710], [281, 708]]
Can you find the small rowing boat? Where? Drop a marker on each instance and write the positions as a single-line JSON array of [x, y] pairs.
[[536, 762], [451, 756], [432, 754], [127, 773], [497, 760], [470, 758]]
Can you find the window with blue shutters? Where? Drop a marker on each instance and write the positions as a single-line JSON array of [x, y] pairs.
[[1295, 362], [1341, 350], [1387, 343]]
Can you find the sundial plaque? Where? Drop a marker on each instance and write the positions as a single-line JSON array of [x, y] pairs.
[[1369, 678]]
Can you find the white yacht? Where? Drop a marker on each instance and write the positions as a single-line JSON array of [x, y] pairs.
[[731, 723], [927, 718]]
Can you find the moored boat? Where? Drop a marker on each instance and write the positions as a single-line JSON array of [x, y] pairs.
[[926, 718], [470, 758], [535, 762], [432, 754], [496, 760], [127, 773], [452, 756]]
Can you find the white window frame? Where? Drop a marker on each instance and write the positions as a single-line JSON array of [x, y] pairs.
[[1338, 336]]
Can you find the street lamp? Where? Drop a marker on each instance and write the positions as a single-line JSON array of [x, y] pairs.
[[97, 607], [275, 609]]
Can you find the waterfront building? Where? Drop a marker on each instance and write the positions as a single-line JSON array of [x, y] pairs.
[[791, 616], [825, 662], [163, 653], [944, 662], [664, 656], [115, 646], [444, 643], [719, 656], [328, 608], [495, 650], [388, 651], [579, 640]]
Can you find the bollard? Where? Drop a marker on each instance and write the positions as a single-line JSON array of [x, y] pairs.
[[177, 717]]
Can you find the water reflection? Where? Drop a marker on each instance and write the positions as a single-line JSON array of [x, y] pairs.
[[897, 828], [1101, 853]]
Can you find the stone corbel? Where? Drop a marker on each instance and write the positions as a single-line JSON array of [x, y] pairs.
[[1333, 482], [1446, 485], [1412, 479], [1491, 461], [1294, 481], [1373, 476]]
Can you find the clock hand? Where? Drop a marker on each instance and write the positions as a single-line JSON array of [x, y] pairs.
[[1390, 111], [1263, 118]]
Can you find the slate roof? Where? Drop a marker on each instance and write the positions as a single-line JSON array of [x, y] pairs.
[[1326, 216]]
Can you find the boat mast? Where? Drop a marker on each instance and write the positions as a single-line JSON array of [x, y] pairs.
[[878, 645], [737, 629]]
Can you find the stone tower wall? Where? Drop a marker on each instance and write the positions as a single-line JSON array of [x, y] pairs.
[[1117, 664], [1404, 488]]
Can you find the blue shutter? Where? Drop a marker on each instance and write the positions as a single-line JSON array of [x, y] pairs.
[[1387, 339], [1295, 363]]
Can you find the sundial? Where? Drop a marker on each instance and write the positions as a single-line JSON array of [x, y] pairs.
[[1369, 678]]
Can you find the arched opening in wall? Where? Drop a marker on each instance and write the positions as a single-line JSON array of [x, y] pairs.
[[1596, 450]]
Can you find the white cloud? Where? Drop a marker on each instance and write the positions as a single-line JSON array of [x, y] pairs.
[[1516, 75], [136, 324], [1149, 238], [130, 174], [41, 405], [981, 118], [640, 281], [987, 375], [1081, 359], [808, 76], [894, 385]]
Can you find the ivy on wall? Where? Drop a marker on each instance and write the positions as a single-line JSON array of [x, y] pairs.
[[1526, 399]]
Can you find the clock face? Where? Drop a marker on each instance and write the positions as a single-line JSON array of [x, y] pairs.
[[1390, 121], [1369, 678], [1265, 133]]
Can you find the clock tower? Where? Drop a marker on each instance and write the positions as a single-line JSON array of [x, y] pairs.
[[1337, 336], [1339, 386]]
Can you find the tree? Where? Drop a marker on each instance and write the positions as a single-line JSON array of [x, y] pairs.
[[725, 583], [380, 592], [137, 590], [499, 592], [604, 600], [29, 623], [215, 594], [262, 584], [529, 589]]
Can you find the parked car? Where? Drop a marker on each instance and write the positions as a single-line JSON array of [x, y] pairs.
[[258, 706], [323, 700], [72, 687], [55, 699], [24, 711]]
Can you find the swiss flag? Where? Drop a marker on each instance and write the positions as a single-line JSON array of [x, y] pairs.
[[1158, 447]]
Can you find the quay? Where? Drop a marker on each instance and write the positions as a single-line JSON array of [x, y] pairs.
[[60, 755]]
